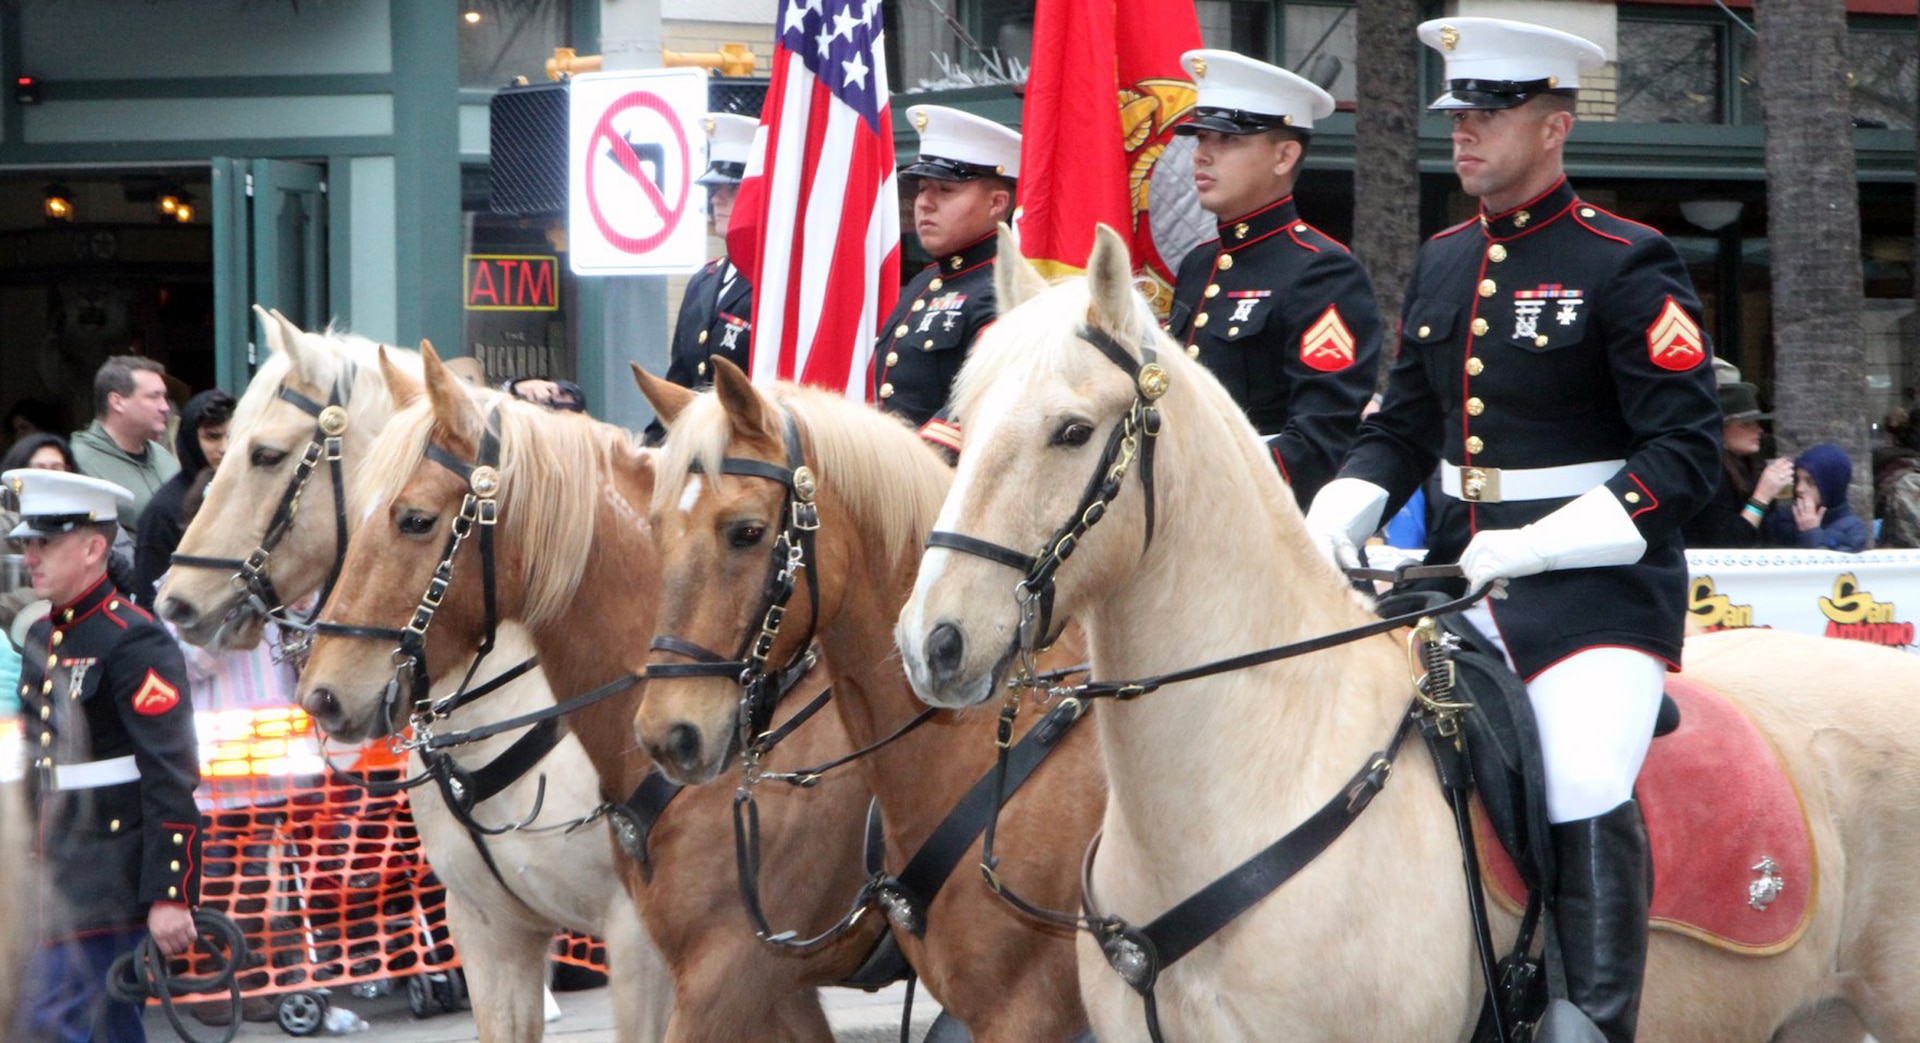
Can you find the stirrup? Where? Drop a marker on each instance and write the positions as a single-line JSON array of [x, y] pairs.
[[1565, 1023]]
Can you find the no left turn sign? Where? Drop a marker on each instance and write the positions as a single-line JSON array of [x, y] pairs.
[[635, 149]]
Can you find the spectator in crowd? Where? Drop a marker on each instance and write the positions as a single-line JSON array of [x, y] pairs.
[[199, 445], [1748, 485], [1896, 496], [41, 450], [1819, 518], [121, 445]]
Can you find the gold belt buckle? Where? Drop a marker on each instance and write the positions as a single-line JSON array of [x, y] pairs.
[[1480, 484]]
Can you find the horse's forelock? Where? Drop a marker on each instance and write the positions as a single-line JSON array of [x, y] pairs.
[[554, 469], [698, 442]]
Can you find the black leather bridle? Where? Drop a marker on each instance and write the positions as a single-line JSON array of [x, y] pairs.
[[760, 683], [1132, 441], [250, 573]]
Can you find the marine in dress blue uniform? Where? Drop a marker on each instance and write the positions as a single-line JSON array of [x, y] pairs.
[[1281, 313], [109, 732], [1552, 366], [940, 313], [716, 314]]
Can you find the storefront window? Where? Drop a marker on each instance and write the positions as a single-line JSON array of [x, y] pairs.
[[1233, 25], [1670, 72], [1320, 45], [501, 39], [1882, 64]]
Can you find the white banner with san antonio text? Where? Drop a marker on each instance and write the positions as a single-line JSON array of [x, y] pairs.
[[1872, 597]]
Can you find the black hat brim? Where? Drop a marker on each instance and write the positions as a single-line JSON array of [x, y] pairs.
[[936, 168], [1470, 101], [1228, 121]]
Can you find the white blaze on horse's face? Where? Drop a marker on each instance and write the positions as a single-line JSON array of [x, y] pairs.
[[691, 495]]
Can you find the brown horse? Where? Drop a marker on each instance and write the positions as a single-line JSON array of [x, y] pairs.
[[879, 486], [1371, 940], [574, 562], [561, 879]]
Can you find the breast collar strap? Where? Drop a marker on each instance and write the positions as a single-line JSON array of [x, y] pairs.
[[793, 551], [480, 508], [250, 574], [1131, 442]]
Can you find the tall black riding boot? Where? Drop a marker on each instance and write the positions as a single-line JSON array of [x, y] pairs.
[[1606, 885]]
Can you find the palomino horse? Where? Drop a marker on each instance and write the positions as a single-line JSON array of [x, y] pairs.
[[558, 879], [1372, 939], [878, 487], [573, 560]]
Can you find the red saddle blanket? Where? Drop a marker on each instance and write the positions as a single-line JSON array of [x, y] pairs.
[[1734, 864]]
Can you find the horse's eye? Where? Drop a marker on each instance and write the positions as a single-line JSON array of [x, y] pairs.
[[264, 457], [745, 535], [1072, 433], [417, 524]]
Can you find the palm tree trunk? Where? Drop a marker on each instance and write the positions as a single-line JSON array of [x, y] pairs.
[[1813, 208], [1386, 152]]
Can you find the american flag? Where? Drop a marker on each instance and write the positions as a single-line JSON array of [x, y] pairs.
[[817, 224]]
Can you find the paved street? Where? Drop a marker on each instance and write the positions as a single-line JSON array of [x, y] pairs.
[[857, 1017]]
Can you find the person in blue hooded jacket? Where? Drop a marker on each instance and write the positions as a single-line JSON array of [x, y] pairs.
[[1820, 517]]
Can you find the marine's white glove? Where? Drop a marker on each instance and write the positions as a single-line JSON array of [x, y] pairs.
[[1592, 531], [1344, 513]]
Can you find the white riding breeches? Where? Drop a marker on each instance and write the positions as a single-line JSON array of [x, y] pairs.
[[1596, 711]]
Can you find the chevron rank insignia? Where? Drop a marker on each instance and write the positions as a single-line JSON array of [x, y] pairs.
[[1327, 345], [155, 696], [1673, 341]]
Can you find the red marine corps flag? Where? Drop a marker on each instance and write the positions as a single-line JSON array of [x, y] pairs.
[[1104, 94], [816, 227]]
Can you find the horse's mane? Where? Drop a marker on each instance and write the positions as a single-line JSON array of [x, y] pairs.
[[880, 467], [351, 368], [553, 468]]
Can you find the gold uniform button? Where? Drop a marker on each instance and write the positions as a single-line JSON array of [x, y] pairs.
[[1540, 341], [52, 661], [928, 345], [1193, 351], [1233, 331], [893, 358], [1586, 211], [1200, 321], [700, 369], [46, 687], [67, 616], [956, 263], [1474, 444], [1474, 366], [917, 305], [1425, 331], [702, 338], [1300, 227], [1631, 497], [59, 636], [1213, 290], [1480, 327], [25, 688], [174, 866], [1496, 253], [173, 892], [114, 826], [934, 286], [46, 738], [1475, 407], [900, 330], [1240, 230], [114, 604], [886, 391], [1226, 261], [1487, 287], [179, 839], [46, 712]]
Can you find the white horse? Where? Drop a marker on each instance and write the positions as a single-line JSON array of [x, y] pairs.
[[502, 925], [1371, 940]]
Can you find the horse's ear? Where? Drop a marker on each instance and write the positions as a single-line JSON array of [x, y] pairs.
[[666, 397], [404, 387], [302, 348], [740, 398], [270, 329], [1015, 279], [453, 407], [1110, 281]]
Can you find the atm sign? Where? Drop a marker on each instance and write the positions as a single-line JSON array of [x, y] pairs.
[[503, 282]]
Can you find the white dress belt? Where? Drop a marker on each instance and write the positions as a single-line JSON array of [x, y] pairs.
[[94, 774], [1497, 484]]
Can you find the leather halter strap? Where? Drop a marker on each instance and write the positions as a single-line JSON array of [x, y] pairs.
[[250, 573], [793, 550], [1132, 441]]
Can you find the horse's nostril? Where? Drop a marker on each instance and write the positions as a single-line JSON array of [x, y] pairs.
[[324, 705], [944, 648], [683, 743], [177, 612]]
